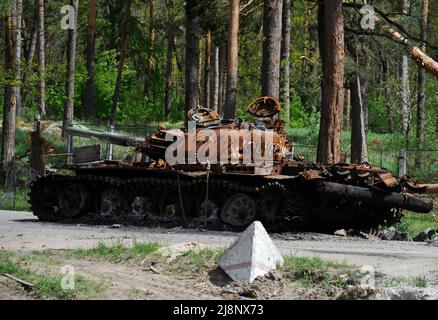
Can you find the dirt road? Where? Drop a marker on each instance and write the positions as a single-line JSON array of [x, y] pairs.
[[23, 232]]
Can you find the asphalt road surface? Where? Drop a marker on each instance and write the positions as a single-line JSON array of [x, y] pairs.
[[23, 232]]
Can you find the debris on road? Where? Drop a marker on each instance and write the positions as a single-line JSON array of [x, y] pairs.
[[171, 253], [25, 284], [393, 234], [116, 226], [253, 254], [341, 233], [156, 267], [359, 292], [263, 287], [421, 237], [427, 235]]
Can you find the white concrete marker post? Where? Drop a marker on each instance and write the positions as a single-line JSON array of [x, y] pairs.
[[253, 254]]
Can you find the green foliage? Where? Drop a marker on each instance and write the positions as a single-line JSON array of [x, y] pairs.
[[418, 281], [414, 223], [299, 117], [5, 6], [197, 261], [117, 251], [47, 286], [311, 272]]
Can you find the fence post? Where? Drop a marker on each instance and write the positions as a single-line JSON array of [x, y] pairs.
[[37, 158], [110, 146], [70, 146], [402, 167]]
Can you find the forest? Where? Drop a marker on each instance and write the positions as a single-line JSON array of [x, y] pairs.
[[357, 80]]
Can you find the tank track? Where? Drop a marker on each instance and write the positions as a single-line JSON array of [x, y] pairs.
[[157, 200]]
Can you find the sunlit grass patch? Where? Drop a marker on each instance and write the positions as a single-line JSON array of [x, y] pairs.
[[117, 251], [47, 286], [316, 272], [414, 223]]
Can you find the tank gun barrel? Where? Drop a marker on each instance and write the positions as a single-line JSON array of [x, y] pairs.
[[398, 200], [113, 138], [430, 188]]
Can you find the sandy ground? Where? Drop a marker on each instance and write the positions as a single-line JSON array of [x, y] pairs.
[[23, 232]]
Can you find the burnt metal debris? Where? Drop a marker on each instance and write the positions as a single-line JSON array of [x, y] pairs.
[[293, 194]]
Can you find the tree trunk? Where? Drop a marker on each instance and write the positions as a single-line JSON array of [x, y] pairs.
[[37, 159], [16, 18], [91, 60], [424, 61], [222, 77], [365, 103], [358, 133], [285, 58], [421, 98], [232, 61], [169, 60], [169, 72], [207, 67], [347, 108], [214, 97], [192, 56], [29, 56], [151, 21], [385, 77], [404, 94], [270, 76], [41, 59], [304, 60], [123, 49], [405, 90], [71, 66], [9, 104], [305, 43], [331, 44]]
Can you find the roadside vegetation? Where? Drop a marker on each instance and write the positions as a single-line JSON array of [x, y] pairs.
[[419, 282], [196, 262], [414, 223], [115, 252], [46, 286], [42, 269], [311, 272]]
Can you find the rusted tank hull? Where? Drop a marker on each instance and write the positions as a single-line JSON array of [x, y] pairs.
[[172, 197], [224, 173]]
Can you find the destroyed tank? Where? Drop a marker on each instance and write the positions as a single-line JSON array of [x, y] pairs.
[[222, 172]]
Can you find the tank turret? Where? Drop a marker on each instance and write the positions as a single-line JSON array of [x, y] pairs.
[[225, 172]]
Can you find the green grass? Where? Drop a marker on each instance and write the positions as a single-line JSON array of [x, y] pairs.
[[310, 272], [414, 223], [418, 281], [198, 261], [47, 286], [7, 200], [117, 251]]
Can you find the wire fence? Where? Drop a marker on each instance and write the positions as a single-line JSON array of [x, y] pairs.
[[14, 191], [423, 165], [420, 164]]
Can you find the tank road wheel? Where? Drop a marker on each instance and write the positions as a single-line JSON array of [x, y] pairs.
[[112, 202], [73, 200], [143, 203], [239, 210], [170, 206], [43, 200], [270, 204]]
